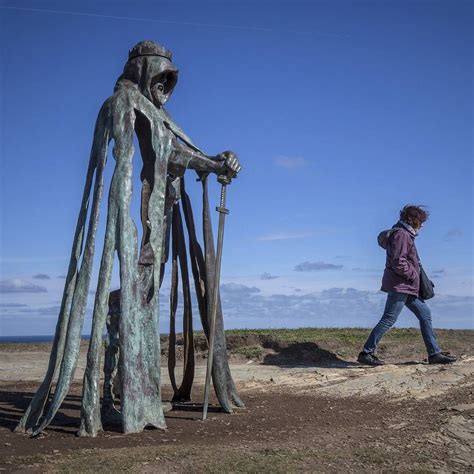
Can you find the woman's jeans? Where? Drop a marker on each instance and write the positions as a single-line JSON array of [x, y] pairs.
[[393, 307]]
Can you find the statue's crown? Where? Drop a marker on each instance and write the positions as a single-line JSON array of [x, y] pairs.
[[149, 48]]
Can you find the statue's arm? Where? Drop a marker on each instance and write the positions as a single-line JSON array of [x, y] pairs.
[[186, 155], [183, 155]]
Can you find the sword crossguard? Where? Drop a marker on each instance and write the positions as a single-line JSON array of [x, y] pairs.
[[222, 210], [225, 179]]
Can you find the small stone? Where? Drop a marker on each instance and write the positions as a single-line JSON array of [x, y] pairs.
[[8, 444]]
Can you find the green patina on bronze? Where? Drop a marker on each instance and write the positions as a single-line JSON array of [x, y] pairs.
[[132, 357]]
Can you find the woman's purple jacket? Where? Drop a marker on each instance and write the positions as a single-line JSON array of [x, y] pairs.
[[402, 267]]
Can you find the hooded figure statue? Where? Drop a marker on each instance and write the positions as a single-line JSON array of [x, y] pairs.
[[147, 82]]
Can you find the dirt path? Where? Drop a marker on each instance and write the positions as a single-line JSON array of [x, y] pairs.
[[335, 378], [327, 416], [415, 380], [279, 429]]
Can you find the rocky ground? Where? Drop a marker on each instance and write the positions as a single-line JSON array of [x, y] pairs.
[[309, 407]]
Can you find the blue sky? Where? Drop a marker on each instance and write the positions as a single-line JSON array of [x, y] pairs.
[[341, 112]]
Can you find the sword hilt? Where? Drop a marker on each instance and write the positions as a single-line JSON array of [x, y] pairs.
[[221, 208]]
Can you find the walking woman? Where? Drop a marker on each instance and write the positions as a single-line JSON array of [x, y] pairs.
[[401, 282]]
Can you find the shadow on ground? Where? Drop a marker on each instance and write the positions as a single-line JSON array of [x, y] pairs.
[[14, 403], [305, 354]]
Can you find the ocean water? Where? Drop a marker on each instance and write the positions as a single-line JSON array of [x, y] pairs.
[[32, 339], [46, 338]]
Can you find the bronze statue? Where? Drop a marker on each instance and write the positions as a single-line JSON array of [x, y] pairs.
[[137, 106]]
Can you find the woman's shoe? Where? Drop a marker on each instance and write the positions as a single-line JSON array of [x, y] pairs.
[[441, 358], [369, 358]]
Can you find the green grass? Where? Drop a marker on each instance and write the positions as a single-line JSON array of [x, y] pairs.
[[249, 352], [345, 335], [302, 334], [193, 460], [347, 342], [351, 335], [219, 459]]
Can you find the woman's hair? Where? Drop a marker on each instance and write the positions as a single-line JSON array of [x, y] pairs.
[[414, 215]]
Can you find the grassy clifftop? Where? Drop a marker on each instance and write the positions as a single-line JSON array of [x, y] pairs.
[[344, 342], [303, 343]]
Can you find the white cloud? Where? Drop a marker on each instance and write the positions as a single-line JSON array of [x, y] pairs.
[[268, 276], [16, 285], [42, 310], [41, 276], [31, 259], [333, 307], [285, 236], [316, 267], [231, 289], [248, 307], [453, 234]]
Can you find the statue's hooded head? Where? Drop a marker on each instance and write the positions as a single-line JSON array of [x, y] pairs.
[[149, 67]]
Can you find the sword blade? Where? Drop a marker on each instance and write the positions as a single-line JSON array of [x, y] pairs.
[[215, 297]]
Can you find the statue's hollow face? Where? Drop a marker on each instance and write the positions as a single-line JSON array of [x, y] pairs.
[[162, 86]]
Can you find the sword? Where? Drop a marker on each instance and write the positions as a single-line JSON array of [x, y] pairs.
[[215, 296]]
